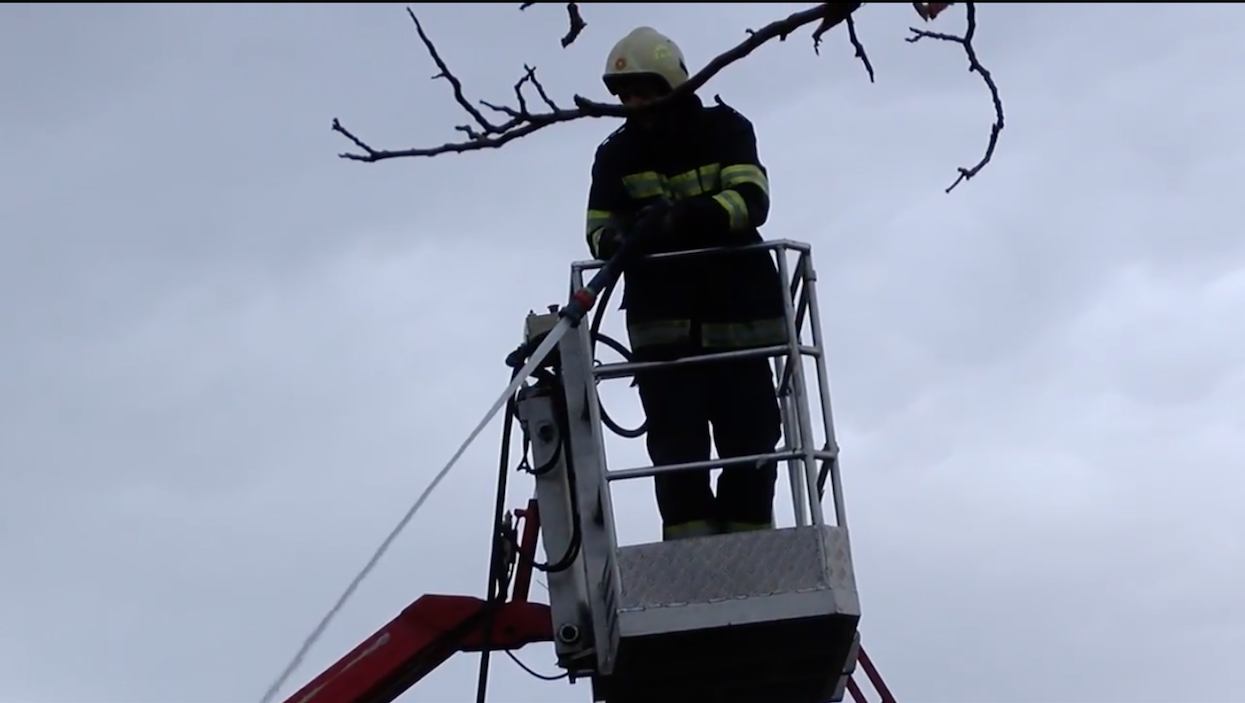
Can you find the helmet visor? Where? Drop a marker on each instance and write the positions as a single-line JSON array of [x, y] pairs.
[[639, 85]]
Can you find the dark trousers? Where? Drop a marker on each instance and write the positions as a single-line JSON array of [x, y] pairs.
[[737, 400]]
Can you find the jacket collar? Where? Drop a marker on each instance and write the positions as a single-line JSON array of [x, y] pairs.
[[673, 118]]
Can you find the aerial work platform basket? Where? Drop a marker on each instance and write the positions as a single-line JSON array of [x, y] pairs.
[[767, 615]]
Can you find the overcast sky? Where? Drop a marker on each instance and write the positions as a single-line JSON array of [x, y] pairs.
[[229, 360]]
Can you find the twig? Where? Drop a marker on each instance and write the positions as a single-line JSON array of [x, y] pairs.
[[543, 95], [528, 77], [966, 41], [851, 34], [453, 81], [523, 122], [577, 23], [821, 29]]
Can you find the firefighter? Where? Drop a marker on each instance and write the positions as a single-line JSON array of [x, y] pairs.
[[680, 176]]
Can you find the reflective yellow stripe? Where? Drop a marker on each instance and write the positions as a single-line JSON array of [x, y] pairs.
[[598, 218], [647, 184], [744, 173], [596, 222], [691, 528], [734, 335], [709, 178], [650, 333], [698, 181], [737, 335], [736, 526], [735, 207]]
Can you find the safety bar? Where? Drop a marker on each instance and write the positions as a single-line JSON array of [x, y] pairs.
[[799, 307], [641, 472], [630, 368], [578, 267]]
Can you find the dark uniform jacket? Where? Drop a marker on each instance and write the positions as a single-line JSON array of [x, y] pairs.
[[705, 160]]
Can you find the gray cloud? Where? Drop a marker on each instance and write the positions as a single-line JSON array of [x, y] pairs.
[[232, 360]]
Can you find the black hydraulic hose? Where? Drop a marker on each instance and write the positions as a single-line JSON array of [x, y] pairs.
[[573, 547], [595, 335], [495, 592], [601, 306], [543, 468], [604, 282], [497, 580], [616, 346]]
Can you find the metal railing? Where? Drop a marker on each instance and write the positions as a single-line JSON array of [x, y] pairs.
[[800, 313]]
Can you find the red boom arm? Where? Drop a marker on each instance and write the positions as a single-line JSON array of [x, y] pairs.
[[431, 630]]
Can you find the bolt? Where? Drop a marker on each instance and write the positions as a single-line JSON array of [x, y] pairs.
[[545, 432], [568, 633]]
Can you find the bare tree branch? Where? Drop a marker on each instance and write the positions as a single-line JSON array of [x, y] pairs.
[[521, 121], [973, 65], [453, 80], [830, 14], [492, 135]]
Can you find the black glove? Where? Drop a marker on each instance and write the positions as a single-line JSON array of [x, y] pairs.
[[696, 222], [653, 226], [690, 223], [646, 225]]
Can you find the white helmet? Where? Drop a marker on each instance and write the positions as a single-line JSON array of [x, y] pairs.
[[646, 52]]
